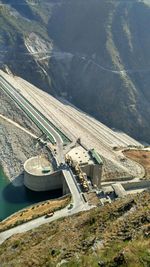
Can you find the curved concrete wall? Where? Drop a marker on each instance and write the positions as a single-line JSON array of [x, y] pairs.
[[41, 181]]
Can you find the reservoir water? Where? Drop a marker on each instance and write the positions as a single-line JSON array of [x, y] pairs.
[[13, 198]]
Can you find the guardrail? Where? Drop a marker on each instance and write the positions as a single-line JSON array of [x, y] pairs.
[[41, 127], [64, 138], [78, 188]]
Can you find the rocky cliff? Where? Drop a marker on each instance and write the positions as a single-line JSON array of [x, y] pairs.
[[94, 53]]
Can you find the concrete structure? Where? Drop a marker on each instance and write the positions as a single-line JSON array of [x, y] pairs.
[[91, 132], [89, 162], [40, 176], [122, 189], [119, 190]]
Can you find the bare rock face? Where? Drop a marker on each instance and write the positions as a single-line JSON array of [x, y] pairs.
[[16, 144], [94, 53], [14, 149], [9, 109], [108, 75]]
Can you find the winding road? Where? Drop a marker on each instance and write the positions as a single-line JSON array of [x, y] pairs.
[[79, 203]]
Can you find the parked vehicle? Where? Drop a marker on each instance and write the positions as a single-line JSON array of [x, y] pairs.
[[48, 215], [70, 206]]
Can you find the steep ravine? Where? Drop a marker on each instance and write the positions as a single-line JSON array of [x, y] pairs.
[[94, 53], [109, 73]]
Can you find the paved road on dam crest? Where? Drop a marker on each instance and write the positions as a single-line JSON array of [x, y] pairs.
[[79, 203]]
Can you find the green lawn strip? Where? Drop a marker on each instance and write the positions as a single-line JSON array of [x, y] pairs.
[[65, 139], [32, 118]]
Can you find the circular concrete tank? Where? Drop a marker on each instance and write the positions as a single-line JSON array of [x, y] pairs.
[[40, 176]]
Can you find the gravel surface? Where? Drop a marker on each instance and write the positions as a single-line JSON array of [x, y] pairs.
[[75, 123]]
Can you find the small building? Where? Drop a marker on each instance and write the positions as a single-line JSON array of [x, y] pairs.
[[90, 163]]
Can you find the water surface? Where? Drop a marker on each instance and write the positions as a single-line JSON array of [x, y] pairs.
[[13, 198]]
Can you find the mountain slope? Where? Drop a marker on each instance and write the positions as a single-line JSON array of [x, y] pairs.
[[112, 65], [110, 236], [95, 53]]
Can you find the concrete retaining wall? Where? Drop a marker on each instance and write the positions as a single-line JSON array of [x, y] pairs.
[[136, 185], [94, 171], [43, 182]]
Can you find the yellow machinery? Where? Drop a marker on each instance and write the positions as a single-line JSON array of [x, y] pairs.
[[82, 176]]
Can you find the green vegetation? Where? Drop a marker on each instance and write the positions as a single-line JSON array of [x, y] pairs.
[[108, 36], [34, 212], [14, 23], [64, 138], [52, 140], [96, 156], [114, 235]]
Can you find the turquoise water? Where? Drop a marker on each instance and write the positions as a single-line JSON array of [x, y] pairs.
[[14, 198]]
